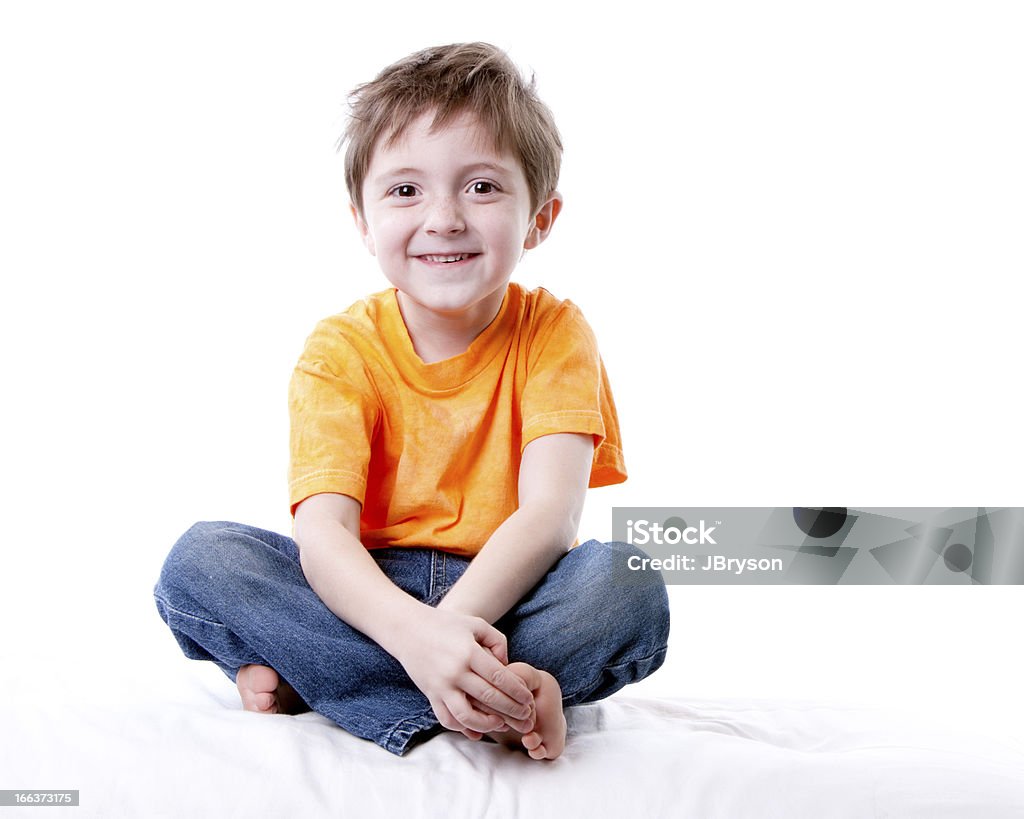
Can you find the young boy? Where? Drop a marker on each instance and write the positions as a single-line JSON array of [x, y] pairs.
[[444, 433]]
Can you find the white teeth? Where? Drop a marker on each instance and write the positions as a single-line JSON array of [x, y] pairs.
[[457, 258]]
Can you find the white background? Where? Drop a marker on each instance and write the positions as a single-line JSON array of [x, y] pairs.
[[795, 227]]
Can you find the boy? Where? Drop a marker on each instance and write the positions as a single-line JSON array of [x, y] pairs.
[[444, 433]]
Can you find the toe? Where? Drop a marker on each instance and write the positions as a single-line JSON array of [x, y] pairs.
[[540, 752], [532, 741], [261, 678]]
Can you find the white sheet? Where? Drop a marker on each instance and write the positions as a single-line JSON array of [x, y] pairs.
[[201, 756]]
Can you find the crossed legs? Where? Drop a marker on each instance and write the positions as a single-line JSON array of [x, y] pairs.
[[236, 595]]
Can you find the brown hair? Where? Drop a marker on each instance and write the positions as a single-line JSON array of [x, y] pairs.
[[463, 77]]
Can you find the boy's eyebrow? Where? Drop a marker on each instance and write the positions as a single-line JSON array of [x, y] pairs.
[[475, 166]]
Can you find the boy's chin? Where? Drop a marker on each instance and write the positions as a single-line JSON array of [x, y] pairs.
[[453, 305]]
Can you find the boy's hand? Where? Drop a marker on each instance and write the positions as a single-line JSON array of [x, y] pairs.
[[458, 662]]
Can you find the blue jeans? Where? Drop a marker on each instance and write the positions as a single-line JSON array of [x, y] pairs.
[[236, 595]]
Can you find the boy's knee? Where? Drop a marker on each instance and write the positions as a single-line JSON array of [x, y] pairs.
[[643, 594], [196, 557], [610, 563], [610, 598], [221, 554]]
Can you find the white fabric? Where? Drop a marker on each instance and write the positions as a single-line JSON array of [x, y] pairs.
[[202, 756]]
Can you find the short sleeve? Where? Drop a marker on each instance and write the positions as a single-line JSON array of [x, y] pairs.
[[567, 390], [333, 412]]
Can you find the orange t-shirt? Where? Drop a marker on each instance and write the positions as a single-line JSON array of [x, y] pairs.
[[432, 451]]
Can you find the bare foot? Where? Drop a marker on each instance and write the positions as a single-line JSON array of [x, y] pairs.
[[263, 690], [547, 739]]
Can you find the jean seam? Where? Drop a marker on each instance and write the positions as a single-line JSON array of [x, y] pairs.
[[438, 579], [189, 615]]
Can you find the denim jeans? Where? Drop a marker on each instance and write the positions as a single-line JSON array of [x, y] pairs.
[[235, 595]]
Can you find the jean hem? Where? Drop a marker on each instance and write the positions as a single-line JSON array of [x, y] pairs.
[[649, 664], [399, 740]]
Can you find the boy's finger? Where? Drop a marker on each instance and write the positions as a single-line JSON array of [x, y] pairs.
[[492, 666], [467, 716], [494, 641], [523, 726], [500, 689], [444, 716], [498, 675]]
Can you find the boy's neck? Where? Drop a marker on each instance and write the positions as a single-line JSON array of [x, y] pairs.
[[438, 336]]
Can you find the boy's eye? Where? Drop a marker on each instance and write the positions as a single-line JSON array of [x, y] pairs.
[[404, 190], [483, 187]]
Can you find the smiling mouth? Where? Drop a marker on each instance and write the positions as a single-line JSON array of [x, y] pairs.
[[448, 258]]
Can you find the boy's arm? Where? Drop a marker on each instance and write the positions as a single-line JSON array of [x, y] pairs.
[[452, 657], [553, 478]]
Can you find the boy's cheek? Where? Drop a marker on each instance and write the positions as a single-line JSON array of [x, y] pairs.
[[366, 235], [369, 243]]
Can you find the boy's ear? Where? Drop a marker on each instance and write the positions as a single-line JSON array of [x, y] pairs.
[[543, 221], [364, 230]]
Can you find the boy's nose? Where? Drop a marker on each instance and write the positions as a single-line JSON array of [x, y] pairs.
[[444, 217]]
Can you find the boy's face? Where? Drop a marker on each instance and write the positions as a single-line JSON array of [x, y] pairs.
[[448, 219]]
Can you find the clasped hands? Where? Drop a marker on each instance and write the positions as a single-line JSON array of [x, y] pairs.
[[459, 662]]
